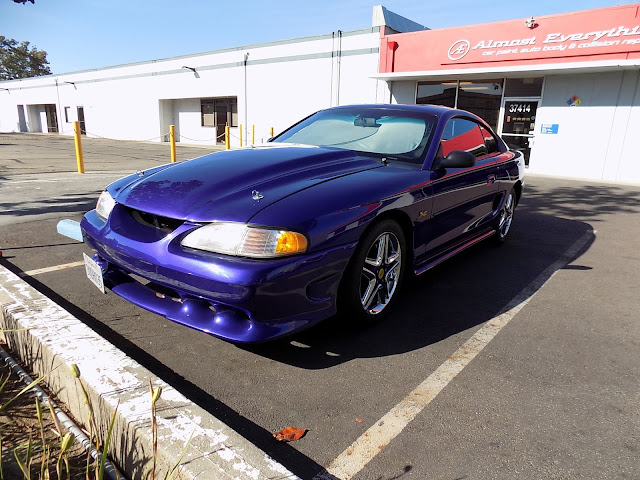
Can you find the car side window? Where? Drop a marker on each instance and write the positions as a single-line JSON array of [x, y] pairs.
[[489, 141], [462, 134]]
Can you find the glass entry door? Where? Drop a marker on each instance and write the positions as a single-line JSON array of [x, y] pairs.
[[52, 118], [83, 128], [518, 124]]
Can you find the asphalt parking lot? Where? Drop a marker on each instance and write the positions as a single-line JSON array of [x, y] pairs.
[[554, 393]]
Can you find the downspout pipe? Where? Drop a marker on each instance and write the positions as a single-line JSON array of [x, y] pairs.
[[246, 119], [339, 66]]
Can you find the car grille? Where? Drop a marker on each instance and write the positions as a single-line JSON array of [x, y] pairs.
[[155, 221]]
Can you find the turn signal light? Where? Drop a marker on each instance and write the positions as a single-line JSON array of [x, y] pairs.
[[291, 242]]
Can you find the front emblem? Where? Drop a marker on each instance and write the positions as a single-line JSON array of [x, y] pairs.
[[256, 195]]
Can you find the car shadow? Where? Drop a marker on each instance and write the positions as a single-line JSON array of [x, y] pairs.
[[456, 296], [64, 203]]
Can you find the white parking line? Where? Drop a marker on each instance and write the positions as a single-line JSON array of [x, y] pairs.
[[55, 268], [378, 436], [35, 180]]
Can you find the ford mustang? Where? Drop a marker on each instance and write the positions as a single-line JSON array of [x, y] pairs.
[[329, 216]]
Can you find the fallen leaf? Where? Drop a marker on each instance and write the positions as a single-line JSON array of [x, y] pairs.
[[359, 420], [290, 434]]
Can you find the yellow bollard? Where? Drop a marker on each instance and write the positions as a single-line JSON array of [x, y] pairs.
[[253, 134], [172, 140], [271, 132], [78, 142], [240, 132], [227, 142]]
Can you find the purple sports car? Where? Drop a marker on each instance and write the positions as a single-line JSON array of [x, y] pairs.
[[330, 215]]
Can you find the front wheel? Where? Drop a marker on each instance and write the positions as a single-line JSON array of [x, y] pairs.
[[505, 218], [373, 278]]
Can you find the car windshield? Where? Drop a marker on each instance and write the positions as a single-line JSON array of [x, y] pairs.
[[396, 134]]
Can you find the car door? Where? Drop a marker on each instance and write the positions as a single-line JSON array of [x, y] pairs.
[[463, 198]]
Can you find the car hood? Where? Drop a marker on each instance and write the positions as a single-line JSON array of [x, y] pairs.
[[235, 185]]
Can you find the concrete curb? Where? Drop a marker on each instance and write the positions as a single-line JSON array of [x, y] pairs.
[[50, 339]]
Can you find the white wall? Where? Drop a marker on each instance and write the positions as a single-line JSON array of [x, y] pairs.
[[42, 118], [33, 118], [403, 92], [623, 161], [285, 81], [595, 139], [21, 119]]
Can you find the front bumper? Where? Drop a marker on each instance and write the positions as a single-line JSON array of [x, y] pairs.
[[238, 299]]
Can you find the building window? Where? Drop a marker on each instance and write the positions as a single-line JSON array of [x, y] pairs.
[[523, 87], [437, 93], [481, 97], [66, 114], [219, 112], [207, 109]]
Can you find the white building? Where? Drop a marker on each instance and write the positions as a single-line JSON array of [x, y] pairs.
[[564, 88], [267, 85]]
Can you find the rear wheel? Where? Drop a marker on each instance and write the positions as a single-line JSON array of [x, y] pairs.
[[373, 277], [505, 218]]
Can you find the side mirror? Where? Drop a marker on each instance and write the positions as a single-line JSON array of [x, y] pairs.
[[455, 159]]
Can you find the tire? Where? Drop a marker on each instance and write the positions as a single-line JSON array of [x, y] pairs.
[[505, 218], [373, 278]]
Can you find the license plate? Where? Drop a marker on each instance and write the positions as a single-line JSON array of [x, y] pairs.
[[94, 272]]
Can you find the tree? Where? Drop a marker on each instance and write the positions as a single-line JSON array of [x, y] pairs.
[[18, 60], [24, 2]]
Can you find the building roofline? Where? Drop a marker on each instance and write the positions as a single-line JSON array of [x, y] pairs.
[[310, 38], [498, 23]]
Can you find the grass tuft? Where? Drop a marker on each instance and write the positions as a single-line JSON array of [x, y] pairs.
[[56, 454]]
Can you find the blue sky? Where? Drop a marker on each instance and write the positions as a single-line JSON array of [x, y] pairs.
[[84, 34]]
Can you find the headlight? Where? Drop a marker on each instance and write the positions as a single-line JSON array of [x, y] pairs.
[[246, 241], [105, 205]]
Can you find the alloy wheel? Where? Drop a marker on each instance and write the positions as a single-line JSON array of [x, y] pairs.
[[506, 216], [380, 273]]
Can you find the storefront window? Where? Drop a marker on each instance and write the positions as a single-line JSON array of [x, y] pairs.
[[483, 98], [437, 93], [523, 87]]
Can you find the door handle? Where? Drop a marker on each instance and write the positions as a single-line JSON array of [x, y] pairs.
[[491, 179]]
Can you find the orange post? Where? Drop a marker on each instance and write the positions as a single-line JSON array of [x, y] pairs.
[[270, 132], [227, 141], [240, 132]]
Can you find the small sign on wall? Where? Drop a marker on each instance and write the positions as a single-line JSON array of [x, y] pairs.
[[574, 101], [549, 128]]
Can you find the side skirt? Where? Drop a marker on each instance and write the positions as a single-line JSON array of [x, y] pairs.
[[453, 252]]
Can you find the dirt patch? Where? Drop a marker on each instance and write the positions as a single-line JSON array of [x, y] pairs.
[[20, 426]]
